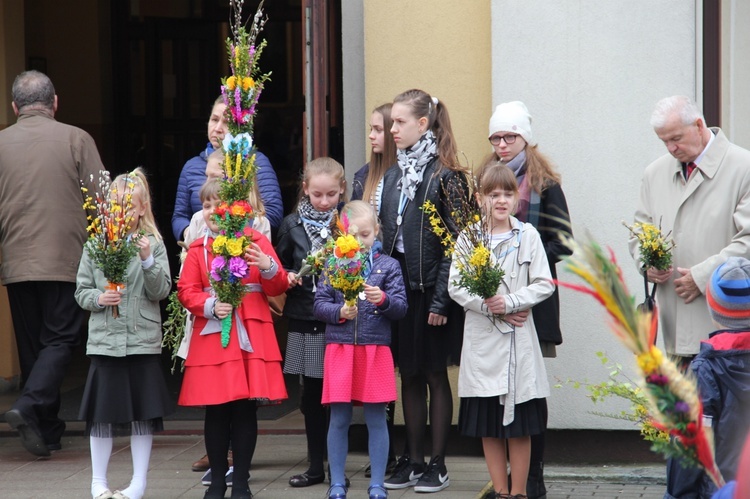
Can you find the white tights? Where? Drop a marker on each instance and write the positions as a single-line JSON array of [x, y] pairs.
[[101, 450]]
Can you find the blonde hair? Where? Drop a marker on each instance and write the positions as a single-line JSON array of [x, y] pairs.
[[253, 197], [359, 208], [323, 166], [147, 222]]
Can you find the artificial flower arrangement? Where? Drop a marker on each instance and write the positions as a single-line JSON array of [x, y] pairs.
[[471, 251], [673, 401], [234, 215], [110, 216], [346, 261]]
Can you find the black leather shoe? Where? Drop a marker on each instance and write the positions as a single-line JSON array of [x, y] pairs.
[[238, 493], [30, 437], [215, 492], [305, 480]]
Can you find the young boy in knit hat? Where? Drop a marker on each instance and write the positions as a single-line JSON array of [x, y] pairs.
[[722, 370]]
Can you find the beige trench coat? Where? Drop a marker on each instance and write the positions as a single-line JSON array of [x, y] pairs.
[[497, 360], [709, 217]]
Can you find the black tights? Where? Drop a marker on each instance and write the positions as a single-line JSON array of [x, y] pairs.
[[237, 422], [414, 397], [316, 423]]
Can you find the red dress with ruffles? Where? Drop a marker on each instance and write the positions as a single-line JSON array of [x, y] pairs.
[[214, 374]]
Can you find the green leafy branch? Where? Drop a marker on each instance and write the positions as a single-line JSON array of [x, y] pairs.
[[620, 385]]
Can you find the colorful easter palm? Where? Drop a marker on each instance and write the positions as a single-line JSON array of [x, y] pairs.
[[674, 404]]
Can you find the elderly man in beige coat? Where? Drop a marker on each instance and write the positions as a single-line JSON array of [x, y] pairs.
[[700, 192], [42, 231]]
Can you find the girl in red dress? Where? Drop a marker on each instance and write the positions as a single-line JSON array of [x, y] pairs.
[[231, 381]]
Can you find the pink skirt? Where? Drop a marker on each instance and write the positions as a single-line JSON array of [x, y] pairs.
[[358, 374]]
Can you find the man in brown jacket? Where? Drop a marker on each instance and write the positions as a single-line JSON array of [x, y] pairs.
[[42, 231]]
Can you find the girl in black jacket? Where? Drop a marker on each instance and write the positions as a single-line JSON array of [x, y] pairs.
[[303, 231], [428, 339]]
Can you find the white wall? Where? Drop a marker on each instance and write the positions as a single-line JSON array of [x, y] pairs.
[[590, 73], [735, 71], [355, 119]]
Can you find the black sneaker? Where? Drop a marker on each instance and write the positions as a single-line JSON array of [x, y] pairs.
[[406, 474], [435, 477]]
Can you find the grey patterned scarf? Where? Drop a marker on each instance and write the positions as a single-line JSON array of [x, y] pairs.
[[314, 221], [412, 161]]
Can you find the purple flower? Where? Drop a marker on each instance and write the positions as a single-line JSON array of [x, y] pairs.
[[237, 101], [657, 379], [681, 407], [217, 266], [238, 266]]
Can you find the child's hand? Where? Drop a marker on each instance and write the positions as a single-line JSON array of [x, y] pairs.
[[144, 246], [373, 294], [222, 309], [293, 280], [109, 298], [348, 312], [496, 304], [255, 256], [517, 318]]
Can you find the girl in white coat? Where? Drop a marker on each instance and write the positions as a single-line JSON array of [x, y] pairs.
[[502, 379]]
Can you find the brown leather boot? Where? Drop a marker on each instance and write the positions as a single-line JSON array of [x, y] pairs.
[[203, 465]]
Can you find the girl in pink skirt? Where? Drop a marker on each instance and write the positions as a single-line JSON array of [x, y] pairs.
[[358, 365]]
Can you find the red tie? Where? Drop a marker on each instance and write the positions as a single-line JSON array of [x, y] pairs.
[[689, 169]]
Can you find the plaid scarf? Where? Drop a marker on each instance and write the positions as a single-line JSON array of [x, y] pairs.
[[307, 212]]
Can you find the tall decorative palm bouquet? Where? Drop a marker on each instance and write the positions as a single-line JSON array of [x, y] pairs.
[[241, 91], [110, 216], [673, 401]]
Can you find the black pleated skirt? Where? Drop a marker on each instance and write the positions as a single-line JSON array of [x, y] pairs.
[[483, 417], [418, 347], [125, 396]]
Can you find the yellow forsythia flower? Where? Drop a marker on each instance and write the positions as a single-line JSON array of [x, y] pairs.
[[479, 257]]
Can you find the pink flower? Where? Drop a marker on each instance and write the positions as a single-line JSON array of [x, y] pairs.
[[217, 266], [238, 266]]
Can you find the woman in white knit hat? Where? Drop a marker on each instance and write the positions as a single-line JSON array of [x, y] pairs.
[[541, 203]]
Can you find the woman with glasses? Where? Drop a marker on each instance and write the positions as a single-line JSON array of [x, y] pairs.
[[541, 203]]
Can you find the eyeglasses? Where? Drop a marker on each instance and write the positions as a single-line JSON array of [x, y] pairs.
[[509, 139]]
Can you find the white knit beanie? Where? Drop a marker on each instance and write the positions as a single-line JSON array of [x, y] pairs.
[[512, 117]]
